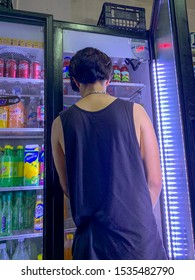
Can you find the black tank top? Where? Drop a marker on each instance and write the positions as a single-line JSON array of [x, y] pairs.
[[109, 196]]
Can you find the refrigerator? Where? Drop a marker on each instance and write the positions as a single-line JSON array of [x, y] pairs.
[[159, 62], [26, 114]]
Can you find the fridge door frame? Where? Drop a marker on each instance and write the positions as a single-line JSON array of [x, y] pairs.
[[45, 20], [185, 81]]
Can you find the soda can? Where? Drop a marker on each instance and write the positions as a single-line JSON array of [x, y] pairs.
[[23, 69], [11, 68], [35, 70], [2, 67]]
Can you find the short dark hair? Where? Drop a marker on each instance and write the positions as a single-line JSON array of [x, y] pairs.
[[88, 66]]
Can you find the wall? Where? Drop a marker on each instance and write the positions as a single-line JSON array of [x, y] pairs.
[[80, 11]]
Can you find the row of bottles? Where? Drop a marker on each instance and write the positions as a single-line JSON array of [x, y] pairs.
[[120, 74], [21, 166], [19, 116], [12, 68], [21, 212], [21, 249]]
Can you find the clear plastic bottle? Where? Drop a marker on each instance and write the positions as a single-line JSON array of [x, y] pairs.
[[6, 218], [20, 166], [32, 113], [124, 73], [3, 252], [68, 246], [6, 179], [21, 252], [18, 213], [40, 113]]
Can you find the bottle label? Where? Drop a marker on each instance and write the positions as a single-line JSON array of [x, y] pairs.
[[125, 76], [38, 219], [3, 224], [117, 75], [6, 170], [40, 113]]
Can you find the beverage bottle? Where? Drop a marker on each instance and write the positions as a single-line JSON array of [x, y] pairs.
[[10, 246], [32, 113], [68, 247], [3, 252], [16, 115], [18, 213], [40, 113], [31, 248], [6, 179], [20, 166], [38, 216], [28, 210], [14, 165], [31, 165], [21, 252], [6, 215], [41, 166], [4, 117], [124, 73], [116, 72], [66, 64]]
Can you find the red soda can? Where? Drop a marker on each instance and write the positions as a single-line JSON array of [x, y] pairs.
[[2, 67], [11, 68], [23, 69], [35, 70]]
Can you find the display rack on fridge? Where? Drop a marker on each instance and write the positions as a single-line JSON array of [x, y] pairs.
[[160, 80], [25, 122]]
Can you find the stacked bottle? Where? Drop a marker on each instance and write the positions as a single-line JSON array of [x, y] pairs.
[[120, 74], [17, 212]]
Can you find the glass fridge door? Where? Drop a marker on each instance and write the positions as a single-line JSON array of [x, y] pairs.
[[169, 87], [22, 137]]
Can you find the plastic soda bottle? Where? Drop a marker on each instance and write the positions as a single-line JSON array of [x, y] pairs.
[[3, 252], [3, 117], [16, 115], [20, 166], [116, 73], [31, 165], [41, 166], [6, 218], [21, 252], [40, 113], [32, 113], [38, 217], [6, 179], [124, 73], [66, 64], [14, 166], [18, 213], [68, 247]]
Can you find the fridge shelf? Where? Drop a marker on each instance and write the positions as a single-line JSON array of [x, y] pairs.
[[21, 80], [69, 230], [22, 188], [24, 235], [24, 133]]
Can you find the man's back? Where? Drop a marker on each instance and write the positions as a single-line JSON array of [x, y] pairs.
[[108, 190]]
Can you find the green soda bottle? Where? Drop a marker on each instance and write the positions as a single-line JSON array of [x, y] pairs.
[[6, 168], [18, 213], [14, 165], [20, 166], [6, 218]]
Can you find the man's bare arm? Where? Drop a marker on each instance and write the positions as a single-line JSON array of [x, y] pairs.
[[59, 153]]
